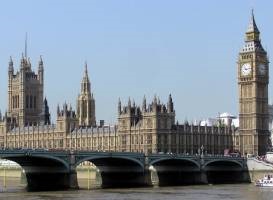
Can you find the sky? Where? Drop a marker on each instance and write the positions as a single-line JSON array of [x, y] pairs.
[[135, 48]]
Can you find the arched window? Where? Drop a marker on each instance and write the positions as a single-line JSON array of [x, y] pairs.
[[17, 101], [13, 102]]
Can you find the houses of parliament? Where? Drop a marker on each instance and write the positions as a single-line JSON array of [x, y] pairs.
[[149, 127]]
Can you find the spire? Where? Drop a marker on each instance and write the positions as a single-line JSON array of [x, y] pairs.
[[144, 104], [170, 104], [45, 115], [45, 101], [155, 100], [85, 76], [85, 88], [11, 65], [86, 72], [41, 63], [252, 37], [58, 110], [129, 103], [170, 98], [65, 107], [252, 27]]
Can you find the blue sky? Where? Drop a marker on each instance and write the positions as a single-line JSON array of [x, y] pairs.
[[135, 48]]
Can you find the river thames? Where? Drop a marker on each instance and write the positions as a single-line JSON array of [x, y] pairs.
[[204, 192]]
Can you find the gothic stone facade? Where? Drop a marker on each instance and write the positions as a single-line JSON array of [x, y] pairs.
[[149, 128], [152, 129], [253, 78], [25, 93]]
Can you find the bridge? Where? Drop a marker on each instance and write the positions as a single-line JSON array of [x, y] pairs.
[[56, 170]]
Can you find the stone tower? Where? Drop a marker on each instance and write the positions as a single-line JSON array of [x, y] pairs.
[[253, 81], [25, 93], [86, 103], [142, 125]]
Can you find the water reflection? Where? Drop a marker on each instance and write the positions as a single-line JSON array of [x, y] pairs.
[[15, 191]]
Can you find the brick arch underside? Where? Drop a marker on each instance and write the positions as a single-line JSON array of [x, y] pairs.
[[119, 172], [176, 172], [222, 172], [43, 173]]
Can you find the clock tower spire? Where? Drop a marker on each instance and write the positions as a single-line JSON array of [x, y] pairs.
[[253, 81]]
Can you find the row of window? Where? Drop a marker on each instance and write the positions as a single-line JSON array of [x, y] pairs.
[[31, 101], [15, 101], [246, 56]]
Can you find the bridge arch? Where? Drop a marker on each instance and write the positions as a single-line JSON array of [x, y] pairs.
[[174, 171], [95, 157], [43, 172], [116, 170], [225, 171], [235, 162], [167, 159]]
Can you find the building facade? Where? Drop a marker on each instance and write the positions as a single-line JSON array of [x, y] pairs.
[[253, 79], [25, 93], [149, 128]]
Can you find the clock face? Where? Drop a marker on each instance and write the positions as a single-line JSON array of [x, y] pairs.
[[262, 69], [246, 69]]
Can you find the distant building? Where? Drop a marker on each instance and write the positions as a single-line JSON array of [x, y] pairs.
[[223, 119]]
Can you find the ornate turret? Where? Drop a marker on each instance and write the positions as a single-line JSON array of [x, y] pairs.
[[58, 110], [45, 115], [86, 102], [129, 104], [252, 32], [144, 104], [11, 69], [252, 37], [25, 93], [170, 104], [67, 119], [41, 70]]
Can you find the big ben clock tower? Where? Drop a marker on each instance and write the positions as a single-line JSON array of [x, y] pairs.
[[253, 80]]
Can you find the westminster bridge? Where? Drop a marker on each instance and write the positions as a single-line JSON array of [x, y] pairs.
[[53, 170]]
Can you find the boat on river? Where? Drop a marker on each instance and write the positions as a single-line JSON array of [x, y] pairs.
[[266, 181]]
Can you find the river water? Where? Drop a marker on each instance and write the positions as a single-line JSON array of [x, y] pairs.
[[205, 192]]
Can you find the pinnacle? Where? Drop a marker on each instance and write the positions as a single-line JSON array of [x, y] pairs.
[[252, 27]]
